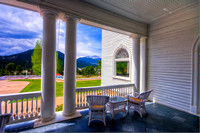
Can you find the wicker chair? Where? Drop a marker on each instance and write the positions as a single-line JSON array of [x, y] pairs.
[[4, 119], [97, 107], [137, 102]]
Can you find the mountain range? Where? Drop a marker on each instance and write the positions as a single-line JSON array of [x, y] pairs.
[[24, 59]]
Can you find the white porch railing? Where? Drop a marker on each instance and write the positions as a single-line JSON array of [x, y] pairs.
[[26, 106], [111, 91], [22, 106]]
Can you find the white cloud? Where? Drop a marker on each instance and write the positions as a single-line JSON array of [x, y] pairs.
[[21, 28]]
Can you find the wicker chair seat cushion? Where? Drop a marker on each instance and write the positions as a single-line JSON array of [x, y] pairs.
[[134, 100], [97, 106]]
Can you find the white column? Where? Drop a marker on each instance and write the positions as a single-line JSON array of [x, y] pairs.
[[143, 64], [70, 67], [136, 61], [48, 65]]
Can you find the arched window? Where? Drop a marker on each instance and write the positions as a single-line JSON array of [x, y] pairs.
[[121, 62], [122, 53]]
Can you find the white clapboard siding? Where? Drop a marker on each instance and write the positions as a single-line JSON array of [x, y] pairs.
[[110, 42], [169, 69]]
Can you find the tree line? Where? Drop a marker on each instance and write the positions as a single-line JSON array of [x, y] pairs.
[[10, 69], [90, 70], [36, 60]]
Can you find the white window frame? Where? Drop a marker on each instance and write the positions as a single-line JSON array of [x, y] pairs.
[[121, 60]]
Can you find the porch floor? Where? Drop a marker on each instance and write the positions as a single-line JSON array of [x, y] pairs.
[[160, 119]]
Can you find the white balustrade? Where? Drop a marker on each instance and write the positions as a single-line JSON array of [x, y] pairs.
[[16, 103], [26, 106], [111, 91]]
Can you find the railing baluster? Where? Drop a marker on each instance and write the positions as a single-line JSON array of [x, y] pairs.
[[79, 100], [0, 108], [22, 109], [36, 107], [112, 92], [16, 117], [82, 99], [76, 99], [85, 98], [6, 106], [122, 92], [32, 107], [27, 115], [11, 110]]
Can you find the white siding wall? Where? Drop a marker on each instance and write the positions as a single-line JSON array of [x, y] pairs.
[[169, 70], [110, 42]]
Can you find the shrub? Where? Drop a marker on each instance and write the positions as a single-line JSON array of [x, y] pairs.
[[59, 108]]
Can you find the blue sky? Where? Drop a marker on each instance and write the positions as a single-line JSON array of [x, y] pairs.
[[20, 29]]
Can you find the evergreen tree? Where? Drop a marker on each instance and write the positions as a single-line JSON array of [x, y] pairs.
[[59, 65], [36, 58], [91, 70], [19, 69], [99, 67], [79, 72], [10, 67], [86, 71], [2, 72]]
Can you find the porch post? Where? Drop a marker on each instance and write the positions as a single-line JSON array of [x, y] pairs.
[[143, 64], [136, 61], [48, 83], [70, 67]]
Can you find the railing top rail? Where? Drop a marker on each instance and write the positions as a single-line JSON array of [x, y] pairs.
[[20, 95], [104, 87]]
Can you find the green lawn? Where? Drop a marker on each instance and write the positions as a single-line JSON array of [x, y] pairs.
[[35, 85]]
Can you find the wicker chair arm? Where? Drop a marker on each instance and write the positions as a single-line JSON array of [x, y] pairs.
[[136, 95]]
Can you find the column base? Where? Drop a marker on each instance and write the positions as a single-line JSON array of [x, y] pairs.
[[194, 109], [48, 119], [68, 114], [59, 117]]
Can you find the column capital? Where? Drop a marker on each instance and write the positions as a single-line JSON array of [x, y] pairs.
[[143, 38], [48, 11], [134, 36], [71, 17]]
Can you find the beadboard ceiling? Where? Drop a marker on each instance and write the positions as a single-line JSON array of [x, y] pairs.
[[144, 11]]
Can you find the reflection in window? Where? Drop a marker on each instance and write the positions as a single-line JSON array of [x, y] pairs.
[[121, 63], [122, 69]]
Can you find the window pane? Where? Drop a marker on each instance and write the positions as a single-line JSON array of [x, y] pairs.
[[122, 69], [122, 53]]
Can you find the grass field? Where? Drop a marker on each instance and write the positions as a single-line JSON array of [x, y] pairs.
[[35, 85]]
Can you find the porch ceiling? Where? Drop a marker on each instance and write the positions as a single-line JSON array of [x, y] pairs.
[[141, 10]]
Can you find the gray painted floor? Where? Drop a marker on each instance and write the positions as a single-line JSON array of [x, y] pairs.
[[160, 119]]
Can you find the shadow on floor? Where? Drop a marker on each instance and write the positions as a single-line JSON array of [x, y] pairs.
[[160, 119]]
